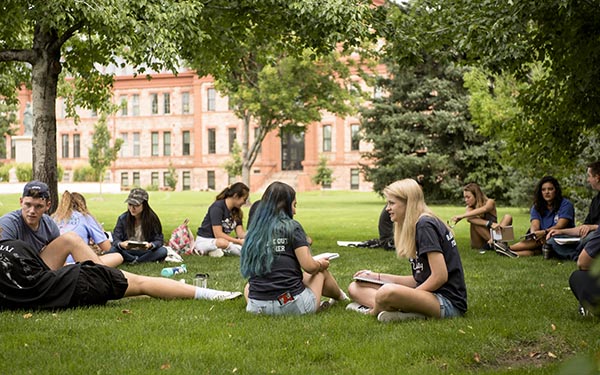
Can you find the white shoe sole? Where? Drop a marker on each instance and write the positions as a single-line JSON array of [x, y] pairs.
[[396, 316]]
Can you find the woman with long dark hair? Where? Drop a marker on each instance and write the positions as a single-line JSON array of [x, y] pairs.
[[138, 234], [284, 278], [550, 210], [224, 216]]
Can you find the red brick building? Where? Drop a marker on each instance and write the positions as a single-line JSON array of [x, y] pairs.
[[183, 122]]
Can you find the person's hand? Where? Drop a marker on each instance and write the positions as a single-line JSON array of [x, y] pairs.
[[584, 230], [323, 264], [124, 244], [362, 273], [455, 219], [553, 232], [496, 227], [149, 245]]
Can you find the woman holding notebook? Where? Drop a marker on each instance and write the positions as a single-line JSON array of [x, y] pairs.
[[284, 278], [436, 288], [481, 214]]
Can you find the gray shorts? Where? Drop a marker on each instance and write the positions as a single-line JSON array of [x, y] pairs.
[[303, 303], [447, 310]]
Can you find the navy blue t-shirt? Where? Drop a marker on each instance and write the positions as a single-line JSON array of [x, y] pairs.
[[286, 273], [433, 235], [218, 214]]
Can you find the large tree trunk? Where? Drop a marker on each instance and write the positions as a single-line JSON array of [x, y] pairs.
[[45, 71]]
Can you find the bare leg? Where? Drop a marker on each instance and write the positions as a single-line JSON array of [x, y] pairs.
[[480, 235], [363, 293], [506, 221], [157, 287], [526, 248], [392, 297], [55, 254]]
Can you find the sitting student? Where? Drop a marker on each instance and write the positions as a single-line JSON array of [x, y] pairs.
[[436, 287], [72, 215], [32, 225], [585, 285], [549, 211], [274, 255], [27, 282], [584, 232], [140, 223], [481, 214], [223, 217]]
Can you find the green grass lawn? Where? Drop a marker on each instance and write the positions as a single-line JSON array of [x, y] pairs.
[[522, 316]]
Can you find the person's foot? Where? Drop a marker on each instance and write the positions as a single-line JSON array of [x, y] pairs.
[[223, 296], [395, 316], [216, 253], [503, 249], [355, 306], [584, 312]]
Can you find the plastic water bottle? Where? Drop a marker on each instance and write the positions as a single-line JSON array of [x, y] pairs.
[[172, 271]]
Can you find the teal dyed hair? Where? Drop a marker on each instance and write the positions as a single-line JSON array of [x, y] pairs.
[[273, 218]]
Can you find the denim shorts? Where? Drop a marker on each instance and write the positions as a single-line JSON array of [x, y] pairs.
[[447, 310], [303, 303]]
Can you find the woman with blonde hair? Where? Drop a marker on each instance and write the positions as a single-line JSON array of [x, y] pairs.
[[72, 215], [481, 214], [436, 288]]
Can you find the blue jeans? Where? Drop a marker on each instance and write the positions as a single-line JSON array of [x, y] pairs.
[[447, 310], [303, 303], [139, 256]]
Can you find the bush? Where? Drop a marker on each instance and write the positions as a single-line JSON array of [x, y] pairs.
[[84, 174], [24, 172], [5, 172], [151, 188]]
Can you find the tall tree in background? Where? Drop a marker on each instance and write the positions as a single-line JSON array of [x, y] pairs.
[[8, 120], [422, 127], [102, 154], [551, 46], [276, 61], [39, 40]]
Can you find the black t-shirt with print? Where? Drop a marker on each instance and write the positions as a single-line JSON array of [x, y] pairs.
[[286, 273], [27, 282], [433, 235]]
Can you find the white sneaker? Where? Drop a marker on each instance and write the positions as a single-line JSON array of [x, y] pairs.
[[216, 253], [223, 296], [233, 250], [355, 306], [394, 316]]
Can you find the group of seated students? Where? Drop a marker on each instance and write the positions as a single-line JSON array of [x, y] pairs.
[[552, 218], [275, 256]]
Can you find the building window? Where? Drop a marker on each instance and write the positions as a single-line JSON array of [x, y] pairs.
[[154, 98], [167, 143], [354, 180], [136, 144], [124, 179], [326, 138], [210, 180], [211, 95], [136, 178], [65, 145], [154, 143], [212, 141], [135, 105], [154, 179], [166, 103], [186, 142], [166, 176], [355, 137], [232, 137], [123, 151], [123, 101], [185, 180], [76, 145], [185, 103]]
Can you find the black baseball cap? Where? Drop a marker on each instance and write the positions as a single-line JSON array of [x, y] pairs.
[[37, 188]]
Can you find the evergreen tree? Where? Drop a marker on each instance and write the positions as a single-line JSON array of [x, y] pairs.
[[422, 127], [324, 174]]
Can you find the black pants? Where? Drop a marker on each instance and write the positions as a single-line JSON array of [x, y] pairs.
[[586, 288]]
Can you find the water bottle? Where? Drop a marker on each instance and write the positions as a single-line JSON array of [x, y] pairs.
[[172, 271]]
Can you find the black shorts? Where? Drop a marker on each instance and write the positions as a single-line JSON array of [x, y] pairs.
[[98, 284]]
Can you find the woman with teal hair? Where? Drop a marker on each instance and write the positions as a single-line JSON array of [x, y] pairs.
[[284, 278]]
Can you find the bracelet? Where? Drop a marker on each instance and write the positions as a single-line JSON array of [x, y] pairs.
[[489, 224]]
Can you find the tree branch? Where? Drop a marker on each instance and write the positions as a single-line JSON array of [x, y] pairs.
[[69, 33], [25, 55]]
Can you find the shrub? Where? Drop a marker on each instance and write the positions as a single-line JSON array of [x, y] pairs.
[[84, 174], [24, 172], [5, 172]]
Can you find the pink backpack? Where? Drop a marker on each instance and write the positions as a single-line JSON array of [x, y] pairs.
[[182, 239]]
